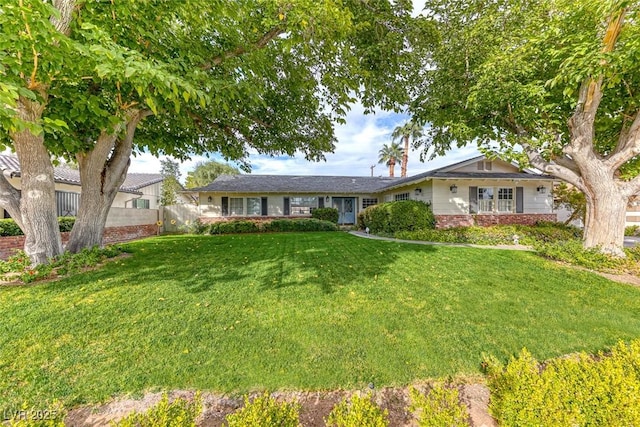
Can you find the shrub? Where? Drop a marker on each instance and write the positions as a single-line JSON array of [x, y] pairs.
[[233, 227], [578, 390], [391, 217], [326, 214], [360, 412], [573, 252], [440, 407], [632, 230], [265, 411], [8, 227], [302, 224], [178, 413]]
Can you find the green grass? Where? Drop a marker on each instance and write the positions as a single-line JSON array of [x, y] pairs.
[[295, 311]]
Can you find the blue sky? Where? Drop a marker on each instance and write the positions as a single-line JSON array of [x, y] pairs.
[[359, 141]]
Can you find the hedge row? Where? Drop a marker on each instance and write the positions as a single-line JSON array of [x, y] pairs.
[[391, 217], [8, 227], [276, 225], [326, 214], [542, 232]]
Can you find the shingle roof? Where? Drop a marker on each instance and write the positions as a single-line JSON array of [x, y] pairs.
[[65, 175], [297, 183]]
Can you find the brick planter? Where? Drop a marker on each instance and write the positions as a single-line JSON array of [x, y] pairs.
[[10, 244]]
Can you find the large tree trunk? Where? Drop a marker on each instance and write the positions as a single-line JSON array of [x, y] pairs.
[[605, 218], [38, 200], [392, 167], [10, 201], [102, 172]]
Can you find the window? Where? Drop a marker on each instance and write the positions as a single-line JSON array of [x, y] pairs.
[[140, 203], [254, 206], [485, 199], [302, 205], [401, 196], [236, 206], [484, 165], [388, 198], [505, 199], [368, 202]]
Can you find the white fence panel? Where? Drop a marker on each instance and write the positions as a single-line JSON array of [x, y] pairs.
[[178, 217]]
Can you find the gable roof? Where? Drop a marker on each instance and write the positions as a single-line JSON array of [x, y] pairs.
[[295, 183], [10, 165], [353, 184]]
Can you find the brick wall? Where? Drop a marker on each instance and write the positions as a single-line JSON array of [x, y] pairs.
[[9, 244], [212, 219], [484, 220]]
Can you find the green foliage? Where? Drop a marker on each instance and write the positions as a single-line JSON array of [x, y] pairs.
[[576, 390], [392, 217], [359, 411], [441, 406], [262, 226], [326, 214], [301, 224], [8, 226], [391, 155], [63, 265], [194, 227], [232, 227], [540, 233], [170, 172], [265, 411], [177, 413], [571, 199], [632, 230], [572, 251], [204, 173]]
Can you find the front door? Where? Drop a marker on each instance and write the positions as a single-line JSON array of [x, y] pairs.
[[346, 209]]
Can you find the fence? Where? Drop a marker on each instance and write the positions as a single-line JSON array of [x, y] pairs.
[[177, 217]]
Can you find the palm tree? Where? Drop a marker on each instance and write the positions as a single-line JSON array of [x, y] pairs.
[[390, 155], [409, 130]]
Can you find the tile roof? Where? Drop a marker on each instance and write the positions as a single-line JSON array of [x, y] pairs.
[[297, 183], [66, 175]]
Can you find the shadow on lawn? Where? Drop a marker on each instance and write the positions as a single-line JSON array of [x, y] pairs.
[[273, 261]]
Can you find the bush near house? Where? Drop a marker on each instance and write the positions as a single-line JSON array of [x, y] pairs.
[[259, 226], [392, 217], [326, 214], [8, 227]]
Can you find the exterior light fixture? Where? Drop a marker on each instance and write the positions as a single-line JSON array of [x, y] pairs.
[[418, 191], [453, 189], [326, 199], [209, 199], [541, 189]]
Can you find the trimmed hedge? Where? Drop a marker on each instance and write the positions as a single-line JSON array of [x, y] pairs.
[[543, 232], [392, 217], [276, 225], [8, 227], [579, 390], [326, 214]]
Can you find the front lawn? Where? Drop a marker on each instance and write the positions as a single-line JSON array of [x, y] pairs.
[[295, 311]]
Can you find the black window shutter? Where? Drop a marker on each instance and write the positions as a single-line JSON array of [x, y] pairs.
[[473, 200], [225, 206], [287, 206], [265, 207], [320, 202], [519, 200]]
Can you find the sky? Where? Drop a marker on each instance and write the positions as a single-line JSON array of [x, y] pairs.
[[359, 141]]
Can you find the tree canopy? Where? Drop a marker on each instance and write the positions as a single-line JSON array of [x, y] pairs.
[[205, 172], [551, 83]]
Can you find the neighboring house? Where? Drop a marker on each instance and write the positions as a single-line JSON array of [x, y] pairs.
[[475, 191], [139, 190]]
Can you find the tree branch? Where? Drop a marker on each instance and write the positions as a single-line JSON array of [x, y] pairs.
[[563, 172], [10, 200], [632, 187], [628, 145], [241, 50]]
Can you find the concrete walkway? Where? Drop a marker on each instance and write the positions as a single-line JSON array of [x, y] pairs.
[[465, 245]]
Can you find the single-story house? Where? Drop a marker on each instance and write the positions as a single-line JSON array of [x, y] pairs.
[[139, 190], [475, 191]]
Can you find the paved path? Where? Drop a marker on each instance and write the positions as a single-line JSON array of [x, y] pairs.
[[466, 245], [631, 241]]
